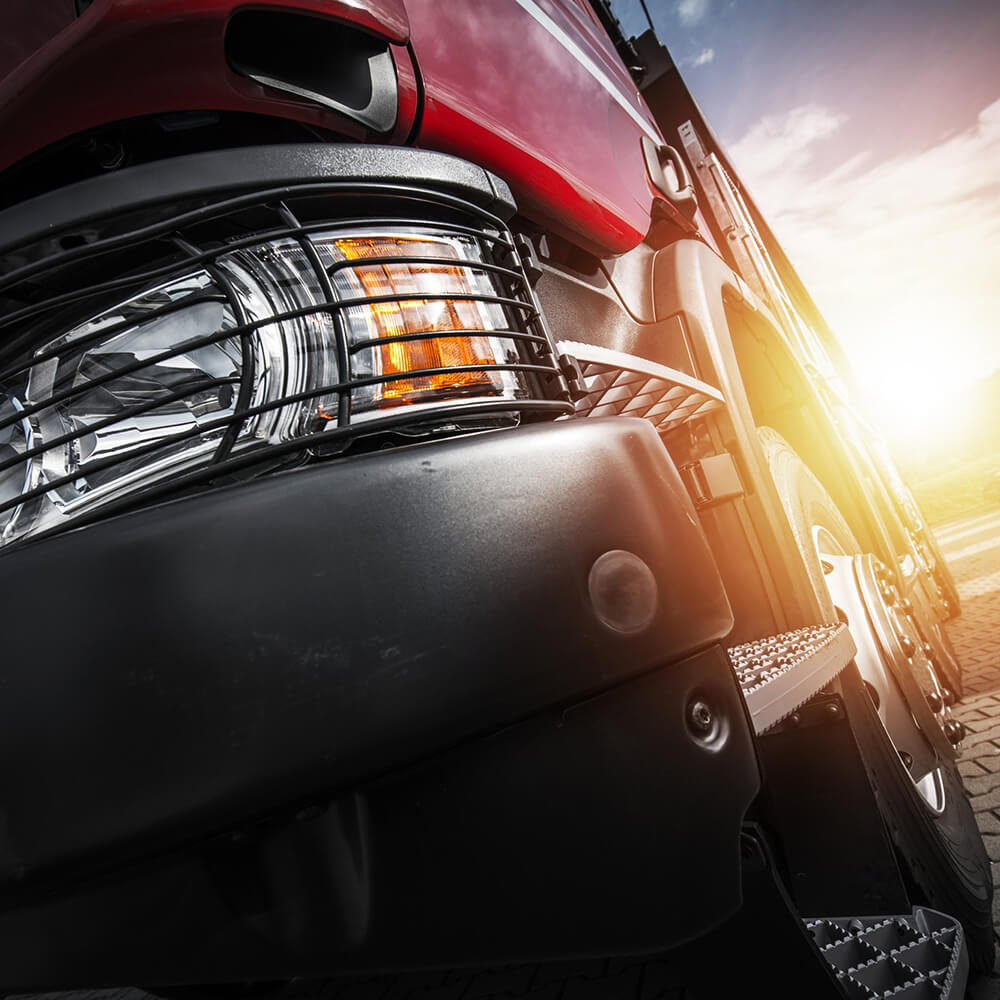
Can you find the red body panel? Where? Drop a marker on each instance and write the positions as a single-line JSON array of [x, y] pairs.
[[129, 58], [26, 25], [531, 89], [504, 91]]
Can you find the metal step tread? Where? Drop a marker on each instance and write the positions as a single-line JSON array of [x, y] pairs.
[[919, 956], [616, 384], [782, 672]]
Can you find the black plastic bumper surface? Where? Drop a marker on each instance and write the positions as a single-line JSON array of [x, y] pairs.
[[604, 828], [227, 172], [177, 670]]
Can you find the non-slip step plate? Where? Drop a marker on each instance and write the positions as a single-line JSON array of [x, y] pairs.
[[623, 385], [919, 956], [782, 672]]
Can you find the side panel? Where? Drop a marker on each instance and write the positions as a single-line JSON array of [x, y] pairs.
[[529, 89]]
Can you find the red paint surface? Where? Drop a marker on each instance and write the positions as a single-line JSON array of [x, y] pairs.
[[501, 91], [128, 58], [26, 25]]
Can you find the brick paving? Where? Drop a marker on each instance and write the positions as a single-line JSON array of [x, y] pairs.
[[972, 548]]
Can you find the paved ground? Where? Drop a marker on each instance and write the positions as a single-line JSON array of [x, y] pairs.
[[972, 547]]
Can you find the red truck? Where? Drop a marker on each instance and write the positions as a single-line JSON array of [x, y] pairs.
[[440, 554]]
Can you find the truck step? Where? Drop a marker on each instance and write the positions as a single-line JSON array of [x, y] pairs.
[[921, 956], [782, 672], [623, 385]]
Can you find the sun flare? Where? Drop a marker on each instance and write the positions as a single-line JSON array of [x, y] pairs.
[[914, 369]]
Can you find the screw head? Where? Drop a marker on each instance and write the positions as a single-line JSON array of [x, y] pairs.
[[700, 717], [906, 758], [908, 645], [935, 701]]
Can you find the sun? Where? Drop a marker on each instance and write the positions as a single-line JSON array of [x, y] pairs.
[[914, 371]]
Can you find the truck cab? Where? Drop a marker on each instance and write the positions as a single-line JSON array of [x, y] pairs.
[[436, 534]]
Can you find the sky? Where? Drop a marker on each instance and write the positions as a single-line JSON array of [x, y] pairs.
[[869, 135]]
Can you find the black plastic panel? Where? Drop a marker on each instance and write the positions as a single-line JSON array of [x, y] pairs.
[[580, 312], [209, 174], [567, 835], [183, 667]]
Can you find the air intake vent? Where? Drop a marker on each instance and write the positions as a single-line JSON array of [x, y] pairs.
[[318, 59]]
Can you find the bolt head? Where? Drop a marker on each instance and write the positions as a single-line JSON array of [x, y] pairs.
[[935, 701], [954, 730]]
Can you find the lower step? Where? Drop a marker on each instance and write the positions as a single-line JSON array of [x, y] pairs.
[[921, 956], [782, 672]]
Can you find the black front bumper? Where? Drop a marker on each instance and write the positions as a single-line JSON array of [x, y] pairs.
[[216, 664]]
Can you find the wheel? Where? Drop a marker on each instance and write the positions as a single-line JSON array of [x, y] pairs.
[[937, 644], [942, 590], [916, 784]]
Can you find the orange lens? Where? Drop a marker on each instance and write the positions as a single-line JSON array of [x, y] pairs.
[[411, 316]]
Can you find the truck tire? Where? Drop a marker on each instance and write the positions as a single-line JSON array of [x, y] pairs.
[[941, 849]]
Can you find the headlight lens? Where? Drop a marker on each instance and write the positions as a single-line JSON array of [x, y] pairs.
[[245, 353]]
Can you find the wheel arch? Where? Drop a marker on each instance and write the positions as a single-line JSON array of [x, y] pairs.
[[739, 348]]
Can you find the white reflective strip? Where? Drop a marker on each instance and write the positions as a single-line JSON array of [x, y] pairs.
[[590, 66]]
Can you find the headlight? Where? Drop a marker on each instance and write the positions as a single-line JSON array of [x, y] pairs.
[[258, 347]]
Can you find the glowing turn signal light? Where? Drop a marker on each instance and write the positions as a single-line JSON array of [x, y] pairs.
[[424, 316]]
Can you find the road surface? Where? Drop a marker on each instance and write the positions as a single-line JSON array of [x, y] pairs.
[[972, 548]]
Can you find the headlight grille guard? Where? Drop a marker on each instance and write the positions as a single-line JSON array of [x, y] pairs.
[[85, 272]]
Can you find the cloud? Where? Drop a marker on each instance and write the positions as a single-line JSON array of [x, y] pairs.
[[783, 144], [701, 59], [691, 12], [901, 252]]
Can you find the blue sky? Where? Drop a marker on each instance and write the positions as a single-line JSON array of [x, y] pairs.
[[869, 134]]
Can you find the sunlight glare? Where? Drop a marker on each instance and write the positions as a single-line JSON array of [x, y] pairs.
[[913, 379]]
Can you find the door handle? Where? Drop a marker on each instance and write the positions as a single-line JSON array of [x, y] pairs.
[[670, 176]]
